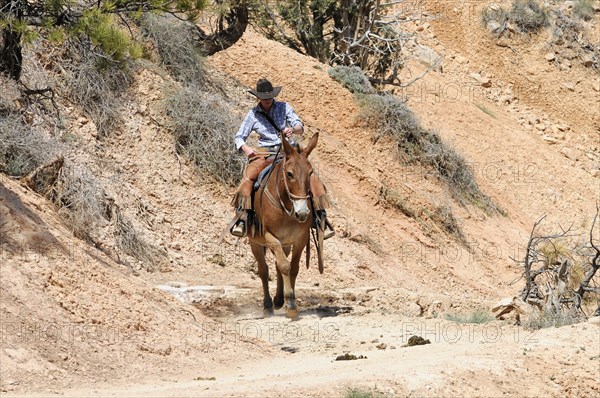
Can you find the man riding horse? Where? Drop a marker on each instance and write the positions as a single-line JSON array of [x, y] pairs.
[[270, 119]]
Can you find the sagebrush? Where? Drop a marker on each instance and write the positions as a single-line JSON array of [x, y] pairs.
[[204, 126], [174, 41], [390, 117]]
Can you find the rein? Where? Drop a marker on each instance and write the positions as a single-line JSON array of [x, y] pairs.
[[292, 197]]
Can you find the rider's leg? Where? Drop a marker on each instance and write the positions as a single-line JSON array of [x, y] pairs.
[[242, 201]]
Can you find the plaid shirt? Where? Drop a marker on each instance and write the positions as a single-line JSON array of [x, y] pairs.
[[282, 114]]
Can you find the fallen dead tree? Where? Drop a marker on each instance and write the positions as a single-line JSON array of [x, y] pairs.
[[559, 278]]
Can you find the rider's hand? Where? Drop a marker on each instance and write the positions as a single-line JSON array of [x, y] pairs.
[[288, 132], [249, 151]]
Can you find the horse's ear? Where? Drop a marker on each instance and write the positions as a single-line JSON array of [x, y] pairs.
[[287, 148], [311, 144]]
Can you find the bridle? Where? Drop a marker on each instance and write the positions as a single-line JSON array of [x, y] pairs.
[[292, 197]]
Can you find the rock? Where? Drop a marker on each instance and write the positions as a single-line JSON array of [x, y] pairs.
[[510, 304], [596, 6], [461, 60], [569, 4], [176, 246], [596, 85], [568, 53], [570, 153], [595, 173], [587, 60], [494, 27], [540, 126], [569, 86], [505, 99], [428, 56], [533, 120], [594, 320], [550, 57], [484, 81], [549, 139]]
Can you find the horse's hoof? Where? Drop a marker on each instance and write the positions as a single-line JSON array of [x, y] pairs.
[[267, 312], [292, 313], [278, 302]]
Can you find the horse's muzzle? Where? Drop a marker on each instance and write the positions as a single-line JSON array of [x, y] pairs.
[[301, 210]]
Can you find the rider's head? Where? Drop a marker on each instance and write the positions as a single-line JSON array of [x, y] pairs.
[[265, 90]]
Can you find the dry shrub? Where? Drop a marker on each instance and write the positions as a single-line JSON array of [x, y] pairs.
[[204, 127], [97, 86], [528, 15], [174, 41], [80, 200], [23, 147], [396, 200], [583, 9], [131, 241], [547, 318], [352, 78], [391, 118]]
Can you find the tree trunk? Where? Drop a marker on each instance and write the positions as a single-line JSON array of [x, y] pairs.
[[230, 29], [11, 58]]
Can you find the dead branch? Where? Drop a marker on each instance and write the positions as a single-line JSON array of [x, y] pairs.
[[43, 178]]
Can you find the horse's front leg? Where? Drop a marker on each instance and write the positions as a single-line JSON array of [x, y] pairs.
[[278, 299], [263, 272], [283, 266]]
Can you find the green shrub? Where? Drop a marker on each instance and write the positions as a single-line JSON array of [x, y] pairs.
[[478, 316], [352, 78], [204, 127], [528, 15]]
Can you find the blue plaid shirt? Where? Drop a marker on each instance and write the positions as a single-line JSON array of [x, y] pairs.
[[282, 114]]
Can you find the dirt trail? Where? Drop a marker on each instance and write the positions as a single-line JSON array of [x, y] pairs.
[[387, 276]]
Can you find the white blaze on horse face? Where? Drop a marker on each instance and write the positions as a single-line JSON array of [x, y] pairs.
[[301, 209]]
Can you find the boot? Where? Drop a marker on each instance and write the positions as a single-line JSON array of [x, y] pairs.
[[329, 231], [239, 229]]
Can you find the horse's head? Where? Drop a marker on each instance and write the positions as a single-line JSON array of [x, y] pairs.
[[297, 172]]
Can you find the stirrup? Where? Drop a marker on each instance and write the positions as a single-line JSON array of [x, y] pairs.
[[239, 229], [328, 233]]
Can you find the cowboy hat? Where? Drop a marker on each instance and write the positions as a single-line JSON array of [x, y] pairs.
[[265, 90]]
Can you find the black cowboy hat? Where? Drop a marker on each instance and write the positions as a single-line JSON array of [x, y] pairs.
[[265, 90]]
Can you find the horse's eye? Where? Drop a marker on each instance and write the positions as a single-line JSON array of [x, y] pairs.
[[289, 174]]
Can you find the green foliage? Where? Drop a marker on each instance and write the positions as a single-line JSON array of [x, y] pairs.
[[352, 78], [528, 15], [105, 33], [478, 317], [96, 21]]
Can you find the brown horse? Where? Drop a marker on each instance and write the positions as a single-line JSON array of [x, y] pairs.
[[284, 211]]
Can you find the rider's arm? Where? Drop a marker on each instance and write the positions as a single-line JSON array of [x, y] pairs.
[[244, 131], [293, 120]]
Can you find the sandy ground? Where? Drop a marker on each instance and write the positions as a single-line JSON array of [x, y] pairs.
[[75, 322]]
